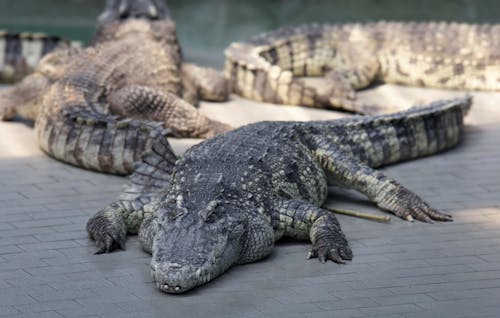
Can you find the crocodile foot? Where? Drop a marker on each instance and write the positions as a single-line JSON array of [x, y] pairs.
[[7, 113], [329, 243], [107, 228], [409, 206]]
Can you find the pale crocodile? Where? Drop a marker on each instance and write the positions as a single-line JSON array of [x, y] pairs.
[[99, 107], [353, 56], [228, 199]]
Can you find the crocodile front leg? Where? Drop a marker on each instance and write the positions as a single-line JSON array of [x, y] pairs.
[[386, 192], [259, 239], [148, 103], [108, 229], [302, 220]]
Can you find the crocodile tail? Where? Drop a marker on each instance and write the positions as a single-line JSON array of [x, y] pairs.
[[96, 141], [152, 173], [418, 132], [263, 68], [21, 52]]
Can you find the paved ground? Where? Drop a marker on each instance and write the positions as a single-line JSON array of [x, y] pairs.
[[47, 266]]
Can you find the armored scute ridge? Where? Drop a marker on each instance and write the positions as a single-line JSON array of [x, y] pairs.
[[101, 107], [352, 56], [228, 199]]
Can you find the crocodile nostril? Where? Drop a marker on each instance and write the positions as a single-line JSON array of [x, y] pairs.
[[174, 266]]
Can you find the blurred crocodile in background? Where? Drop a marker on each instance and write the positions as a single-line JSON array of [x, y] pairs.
[[353, 56], [21, 52], [99, 107], [228, 199]]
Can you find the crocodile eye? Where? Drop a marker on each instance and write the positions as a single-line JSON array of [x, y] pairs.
[[207, 215], [176, 212]]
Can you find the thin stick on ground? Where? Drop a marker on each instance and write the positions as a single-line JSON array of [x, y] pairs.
[[368, 216]]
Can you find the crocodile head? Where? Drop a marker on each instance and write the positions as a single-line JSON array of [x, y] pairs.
[[118, 10], [194, 245]]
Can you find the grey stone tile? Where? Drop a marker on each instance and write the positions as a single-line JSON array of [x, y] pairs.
[[8, 311], [403, 299], [348, 304], [45, 314], [12, 298], [39, 307], [386, 310]]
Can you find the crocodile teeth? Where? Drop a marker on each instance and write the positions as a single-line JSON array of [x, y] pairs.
[[177, 288]]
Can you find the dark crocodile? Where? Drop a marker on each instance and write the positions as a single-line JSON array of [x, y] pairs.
[[352, 56], [228, 199], [21, 52], [99, 107]]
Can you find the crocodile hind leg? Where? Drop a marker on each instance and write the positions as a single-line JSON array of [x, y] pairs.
[[190, 92], [133, 211], [302, 220], [386, 192], [210, 84], [24, 98], [148, 103], [339, 91], [341, 82]]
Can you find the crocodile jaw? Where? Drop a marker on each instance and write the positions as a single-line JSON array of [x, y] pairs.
[[175, 278], [183, 259]]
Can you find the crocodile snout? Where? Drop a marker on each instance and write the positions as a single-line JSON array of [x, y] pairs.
[[175, 278]]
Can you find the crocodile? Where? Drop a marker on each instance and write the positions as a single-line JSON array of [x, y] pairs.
[[228, 199], [21, 52], [100, 107], [353, 56]]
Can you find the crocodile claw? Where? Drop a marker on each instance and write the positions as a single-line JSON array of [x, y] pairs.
[[338, 253], [409, 206], [107, 243], [6, 113]]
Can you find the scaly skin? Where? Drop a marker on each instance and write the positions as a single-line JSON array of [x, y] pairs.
[[228, 199], [352, 56], [97, 107], [21, 52]]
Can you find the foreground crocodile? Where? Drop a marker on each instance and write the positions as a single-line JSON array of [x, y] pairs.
[[352, 56], [228, 199], [99, 107], [21, 52]]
